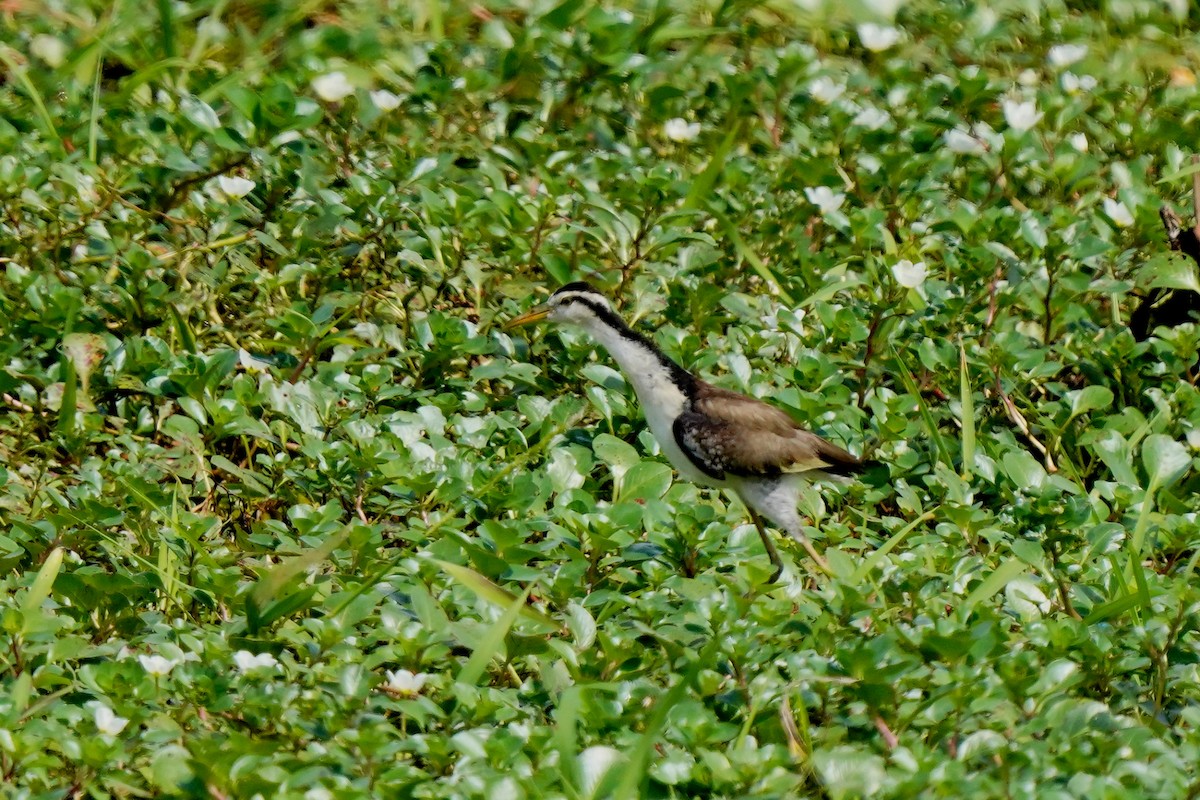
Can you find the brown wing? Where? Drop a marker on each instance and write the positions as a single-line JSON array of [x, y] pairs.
[[729, 433]]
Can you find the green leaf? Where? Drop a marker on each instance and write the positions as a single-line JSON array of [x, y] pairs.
[[1024, 470], [647, 480], [1165, 460], [1169, 270], [1090, 398]]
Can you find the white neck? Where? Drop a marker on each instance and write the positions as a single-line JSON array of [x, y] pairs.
[[662, 400], [651, 378]]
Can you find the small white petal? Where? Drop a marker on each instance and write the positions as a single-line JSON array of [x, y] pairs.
[[1117, 212], [825, 89], [825, 199], [1064, 55], [1079, 142], [156, 665], [107, 722], [908, 274], [960, 141], [1021, 115], [406, 682], [333, 87], [246, 661], [385, 100], [680, 130], [233, 186], [49, 49], [877, 38], [872, 118]]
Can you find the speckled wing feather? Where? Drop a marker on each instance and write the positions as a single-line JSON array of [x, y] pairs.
[[728, 433]]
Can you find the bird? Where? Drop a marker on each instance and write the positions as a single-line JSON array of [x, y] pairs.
[[712, 436]]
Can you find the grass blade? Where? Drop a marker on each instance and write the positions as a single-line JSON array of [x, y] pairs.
[[489, 646], [870, 562], [967, 400], [993, 583], [494, 594]]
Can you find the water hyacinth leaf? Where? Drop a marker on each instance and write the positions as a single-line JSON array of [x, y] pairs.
[[1090, 398], [1169, 270], [1024, 470], [647, 480], [1165, 460]]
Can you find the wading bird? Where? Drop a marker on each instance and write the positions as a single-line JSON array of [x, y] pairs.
[[712, 436]]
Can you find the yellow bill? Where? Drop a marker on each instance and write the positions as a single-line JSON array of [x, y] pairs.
[[536, 315]]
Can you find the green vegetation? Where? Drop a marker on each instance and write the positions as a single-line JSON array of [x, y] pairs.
[[284, 512]]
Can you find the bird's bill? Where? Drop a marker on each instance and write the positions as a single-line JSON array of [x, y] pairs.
[[537, 315]]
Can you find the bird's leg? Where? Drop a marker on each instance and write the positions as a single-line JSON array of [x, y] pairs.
[[820, 561], [772, 553]]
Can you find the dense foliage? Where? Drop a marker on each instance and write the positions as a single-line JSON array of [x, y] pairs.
[[285, 512]]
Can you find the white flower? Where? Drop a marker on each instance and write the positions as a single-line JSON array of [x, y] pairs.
[[1021, 116], [872, 118], [1079, 142], [156, 665], [1193, 438], [1117, 212], [1074, 84], [960, 141], [908, 274], [1064, 55], [877, 38], [826, 89], [107, 722], [49, 49], [246, 661], [233, 186], [333, 87], [680, 130], [825, 199], [405, 682], [385, 100]]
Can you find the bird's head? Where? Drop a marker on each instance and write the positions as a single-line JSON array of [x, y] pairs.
[[575, 304]]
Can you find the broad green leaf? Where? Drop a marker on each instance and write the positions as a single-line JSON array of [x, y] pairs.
[[1169, 270], [1024, 470], [1090, 398], [646, 480], [1165, 459]]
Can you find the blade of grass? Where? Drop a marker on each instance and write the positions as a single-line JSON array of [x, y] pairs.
[[492, 641], [870, 562], [94, 121], [993, 583], [22, 76], [967, 401], [494, 594], [910, 385], [750, 256], [638, 760], [704, 183]]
